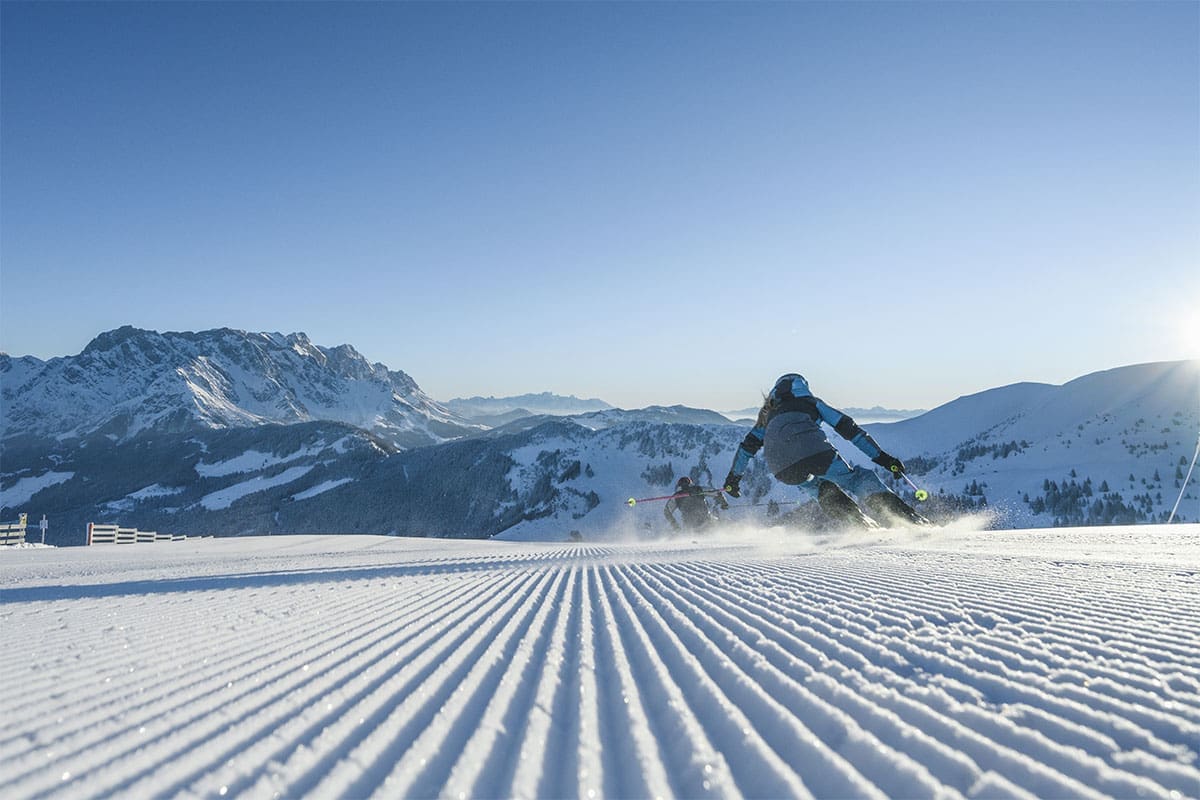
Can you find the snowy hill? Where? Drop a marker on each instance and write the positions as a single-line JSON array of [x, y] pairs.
[[761, 664], [1113, 443], [128, 380]]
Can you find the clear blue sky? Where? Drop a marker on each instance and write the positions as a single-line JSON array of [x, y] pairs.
[[648, 203]]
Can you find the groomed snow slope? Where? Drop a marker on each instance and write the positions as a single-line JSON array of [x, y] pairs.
[[1061, 663]]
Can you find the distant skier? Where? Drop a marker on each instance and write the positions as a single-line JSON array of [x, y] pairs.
[[693, 507], [797, 451]]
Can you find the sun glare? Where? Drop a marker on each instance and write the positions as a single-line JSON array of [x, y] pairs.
[[1187, 332]]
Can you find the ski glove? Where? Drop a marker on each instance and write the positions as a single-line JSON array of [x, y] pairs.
[[733, 485], [890, 463]]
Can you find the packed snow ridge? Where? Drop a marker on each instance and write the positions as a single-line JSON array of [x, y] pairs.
[[765, 663]]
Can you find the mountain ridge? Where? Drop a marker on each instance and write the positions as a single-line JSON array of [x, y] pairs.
[[129, 379], [481, 408], [253, 453]]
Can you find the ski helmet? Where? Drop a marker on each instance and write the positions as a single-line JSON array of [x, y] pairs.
[[792, 384], [683, 483]]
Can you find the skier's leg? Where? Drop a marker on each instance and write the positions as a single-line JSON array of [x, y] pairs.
[[851, 482], [801, 475], [802, 471], [888, 507], [883, 504], [858, 481], [840, 507], [834, 498]]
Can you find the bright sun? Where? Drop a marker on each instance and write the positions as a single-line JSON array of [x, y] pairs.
[[1187, 332]]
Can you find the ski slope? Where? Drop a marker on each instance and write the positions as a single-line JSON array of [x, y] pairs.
[[766, 663]]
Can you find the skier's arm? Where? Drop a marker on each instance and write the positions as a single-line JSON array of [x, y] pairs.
[[746, 450], [750, 445], [848, 429]]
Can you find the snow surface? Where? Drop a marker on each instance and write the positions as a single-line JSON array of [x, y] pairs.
[[770, 663], [249, 461], [129, 501], [224, 498], [321, 488], [254, 461], [27, 487]]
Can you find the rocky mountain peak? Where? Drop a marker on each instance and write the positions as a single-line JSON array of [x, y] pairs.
[[130, 379]]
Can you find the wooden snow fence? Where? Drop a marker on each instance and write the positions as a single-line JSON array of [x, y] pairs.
[[115, 534], [12, 533]]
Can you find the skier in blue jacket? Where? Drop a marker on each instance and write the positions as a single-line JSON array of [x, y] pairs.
[[797, 451]]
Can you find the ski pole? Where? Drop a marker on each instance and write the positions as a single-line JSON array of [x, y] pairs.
[[920, 494], [758, 505], [635, 500]]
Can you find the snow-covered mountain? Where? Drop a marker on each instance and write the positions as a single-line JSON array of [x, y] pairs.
[[1113, 446], [1109, 447], [129, 380]]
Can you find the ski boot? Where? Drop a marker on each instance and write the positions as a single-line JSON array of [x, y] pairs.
[[890, 509], [842, 509]]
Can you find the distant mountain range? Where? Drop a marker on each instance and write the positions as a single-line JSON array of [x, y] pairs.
[[505, 409], [495, 412], [862, 416], [230, 432]]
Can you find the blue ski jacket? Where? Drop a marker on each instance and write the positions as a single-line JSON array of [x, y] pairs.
[[789, 425]]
